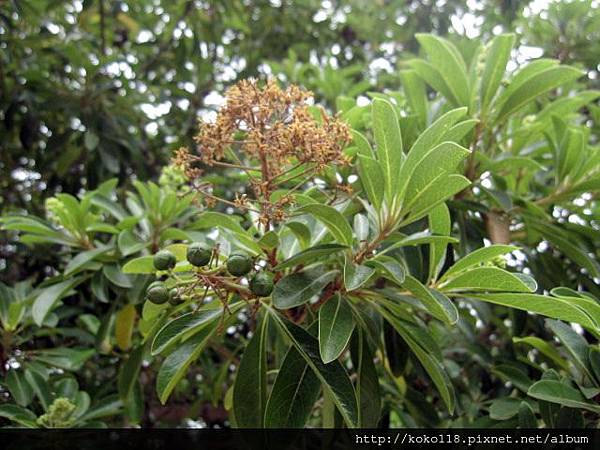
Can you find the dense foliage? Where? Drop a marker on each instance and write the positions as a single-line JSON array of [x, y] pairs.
[[412, 245]]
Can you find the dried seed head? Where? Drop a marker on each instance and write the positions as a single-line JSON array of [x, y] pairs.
[[272, 125]]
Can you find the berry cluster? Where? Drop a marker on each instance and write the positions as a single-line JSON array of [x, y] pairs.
[[223, 277]]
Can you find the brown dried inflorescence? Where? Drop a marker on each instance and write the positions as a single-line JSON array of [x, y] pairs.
[[273, 136], [273, 124]]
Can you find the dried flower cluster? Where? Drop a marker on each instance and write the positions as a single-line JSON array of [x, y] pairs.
[[273, 136], [274, 124]]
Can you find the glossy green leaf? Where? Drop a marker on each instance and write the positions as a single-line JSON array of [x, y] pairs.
[[437, 304], [335, 328], [478, 257], [367, 382], [19, 388], [294, 393], [310, 255], [48, 297], [533, 87], [177, 363], [355, 275], [18, 414], [439, 223], [183, 327], [497, 57], [372, 179], [557, 392], [335, 222], [388, 138], [431, 365], [333, 377], [250, 388], [574, 343], [490, 279], [82, 259], [298, 288], [141, 265], [450, 64], [539, 304]]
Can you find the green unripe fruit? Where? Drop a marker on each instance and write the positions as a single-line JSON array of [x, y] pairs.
[[239, 264], [175, 299], [164, 260], [158, 293], [262, 284], [198, 254]]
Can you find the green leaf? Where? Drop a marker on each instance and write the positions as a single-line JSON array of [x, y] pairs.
[[505, 408], [129, 374], [335, 222], [19, 388], [441, 160], [298, 288], [569, 247], [432, 366], [333, 377], [184, 327], [250, 388], [40, 387], [19, 415], [422, 237], [557, 392], [294, 393], [497, 57], [439, 223], [594, 358], [533, 87], [143, 264], [367, 381], [108, 406], [450, 64], [48, 297], [129, 243], [386, 129], [356, 276], [310, 255], [335, 328], [362, 144], [545, 348], [116, 276], [389, 268], [210, 219], [526, 416], [477, 257], [414, 89], [82, 259], [269, 240], [434, 78], [555, 308], [490, 279], [176, 364], [426, 141], [372, 179], [64, 358], [513, 374], [438, 191], [574, 343], [437, 304]]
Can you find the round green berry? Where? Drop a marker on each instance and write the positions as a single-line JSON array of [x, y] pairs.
[[239, 264], [198, 254], [262, 284], [164, 260], [174, 297], [158, 293]]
